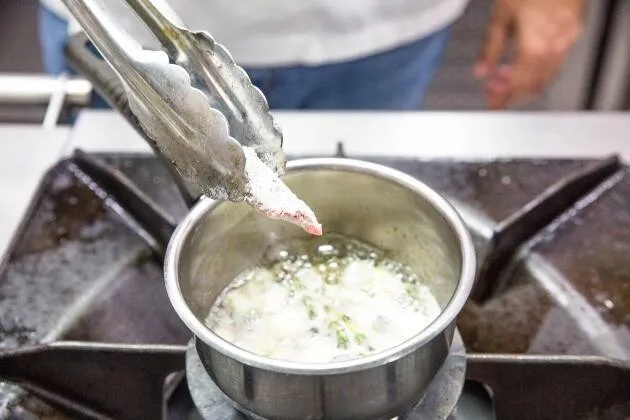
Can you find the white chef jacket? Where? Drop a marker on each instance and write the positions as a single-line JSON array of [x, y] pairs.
[[268, 33]]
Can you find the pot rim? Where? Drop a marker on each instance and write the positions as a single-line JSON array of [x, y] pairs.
[[441, 323]]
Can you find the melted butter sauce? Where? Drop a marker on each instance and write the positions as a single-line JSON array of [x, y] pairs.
[[323, 300]]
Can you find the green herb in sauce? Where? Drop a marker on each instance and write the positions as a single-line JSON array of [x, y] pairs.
[[321, 300]]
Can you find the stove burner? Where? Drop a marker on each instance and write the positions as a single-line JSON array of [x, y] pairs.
[[551, 236], [438, 403]]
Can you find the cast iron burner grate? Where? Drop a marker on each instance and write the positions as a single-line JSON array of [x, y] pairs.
[[552, 236]]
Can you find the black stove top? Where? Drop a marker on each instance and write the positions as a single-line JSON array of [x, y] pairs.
[[552, 237]]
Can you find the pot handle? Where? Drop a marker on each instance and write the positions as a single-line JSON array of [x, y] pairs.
[[87, 61]]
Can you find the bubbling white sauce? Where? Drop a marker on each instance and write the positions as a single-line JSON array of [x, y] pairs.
[[323, 300]]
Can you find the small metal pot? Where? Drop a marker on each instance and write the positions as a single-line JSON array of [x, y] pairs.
[[372, 203]]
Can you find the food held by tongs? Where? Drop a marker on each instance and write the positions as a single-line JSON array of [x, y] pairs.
[[199, 108]]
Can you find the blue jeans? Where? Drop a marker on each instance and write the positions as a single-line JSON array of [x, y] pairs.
[[394, 80]]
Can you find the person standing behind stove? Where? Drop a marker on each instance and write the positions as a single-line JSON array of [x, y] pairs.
[[357, 54]]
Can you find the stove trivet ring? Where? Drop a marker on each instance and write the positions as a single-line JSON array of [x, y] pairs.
[[438, 403]]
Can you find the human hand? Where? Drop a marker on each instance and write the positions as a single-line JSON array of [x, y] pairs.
[[542, 31]]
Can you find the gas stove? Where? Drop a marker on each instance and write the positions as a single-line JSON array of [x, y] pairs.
[[86, 329]]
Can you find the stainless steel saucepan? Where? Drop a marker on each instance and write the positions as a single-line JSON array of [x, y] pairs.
[[372, 203]]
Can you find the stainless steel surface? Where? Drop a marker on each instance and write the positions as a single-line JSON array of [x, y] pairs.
[[55, 107], [571, 89], [438, 403], [614, 80], [369, 202], [178, 104], [471, 136], [30, 89]]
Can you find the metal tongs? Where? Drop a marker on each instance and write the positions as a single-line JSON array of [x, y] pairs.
[[191, 99]]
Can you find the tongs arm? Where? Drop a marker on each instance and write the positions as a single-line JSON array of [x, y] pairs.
[[214, 71], [171, 97], [119, 51], [181, 47], [179, 118]]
